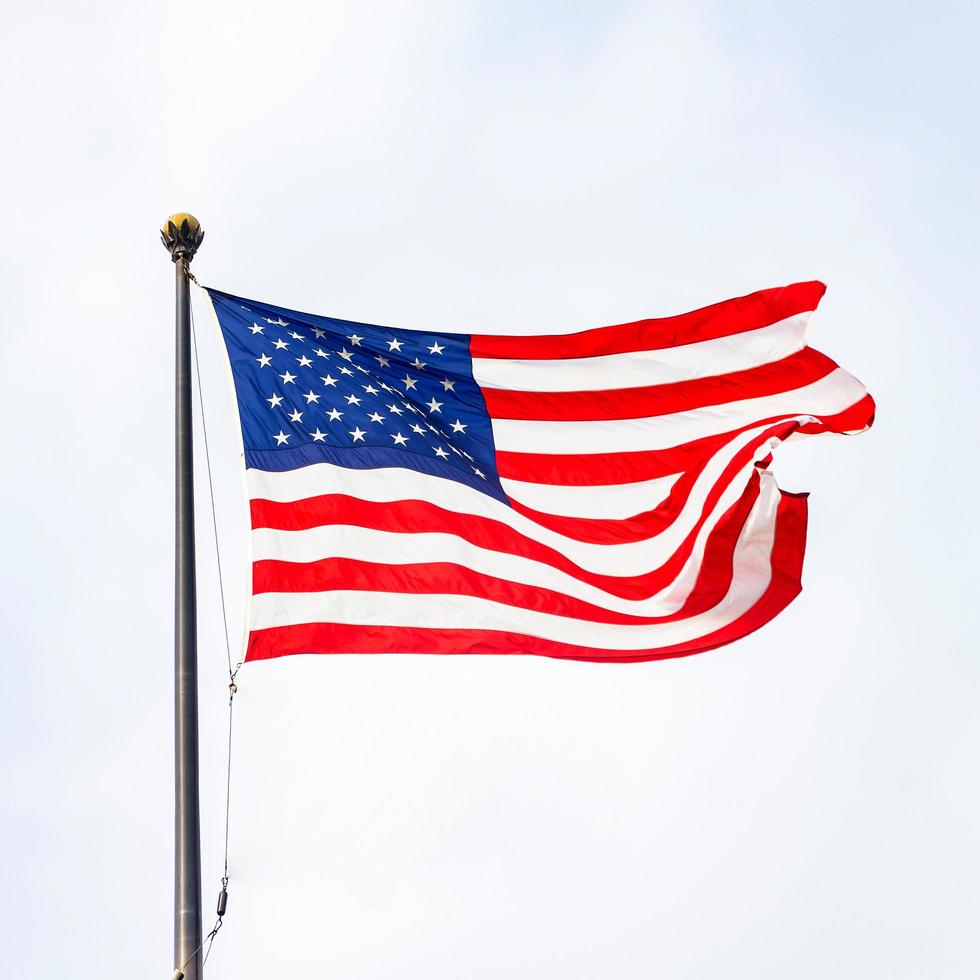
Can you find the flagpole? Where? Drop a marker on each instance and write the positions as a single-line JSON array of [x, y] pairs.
[[182, 235]]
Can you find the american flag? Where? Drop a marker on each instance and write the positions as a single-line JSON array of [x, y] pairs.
[[602, 495]]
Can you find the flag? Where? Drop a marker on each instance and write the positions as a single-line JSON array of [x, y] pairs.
[[601, 495]]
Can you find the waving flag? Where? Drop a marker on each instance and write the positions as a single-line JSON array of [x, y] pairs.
[[602, 495]]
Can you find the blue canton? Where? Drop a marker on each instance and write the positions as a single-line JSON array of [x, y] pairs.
[[316, 389]]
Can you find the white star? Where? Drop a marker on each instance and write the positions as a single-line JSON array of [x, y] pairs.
[[408, 383], [333, 415], [370, 389], [296, 415], [304, 361], [400, 440], [347, 371], [436, 348], [441, 453], [274, 401], [434, 406], [395, 409], [418, 429], [383, 361], [394, 345], [279, 322], [281, 344], [419, 365], [346, 355], [321, 353], [459, 426], [388, 388], [467, 455], [358, 434], [374, 417], [318, 436], [478, 473], [281, 438], [363, 370], [296, 336], [318, 333], [355, 340], [255, 328], [329, 381], [264, 360], [353, 400], [311, 397], [245, 308], [448, 385], [287, 378]]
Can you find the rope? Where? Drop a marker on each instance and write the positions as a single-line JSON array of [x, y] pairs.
[[209, 939], [214, 512], [232, 688], [232, 670], [211, 935]]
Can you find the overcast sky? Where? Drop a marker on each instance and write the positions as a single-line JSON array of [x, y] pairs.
[[802, 804]]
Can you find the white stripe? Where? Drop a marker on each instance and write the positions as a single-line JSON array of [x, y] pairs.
[[389, 484], [832, 393], [609, 502], [390, 548], [752, 576], [366, 544], [639, 369]]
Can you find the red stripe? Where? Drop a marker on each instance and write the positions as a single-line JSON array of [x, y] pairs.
[[598, 469], [594, 469], [723, 319], [857, 418], [799, 369], [641, 527], [616, 530], [787, 561], [441, 578]]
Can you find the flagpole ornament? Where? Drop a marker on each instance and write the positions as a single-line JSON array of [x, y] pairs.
[[182, 235]]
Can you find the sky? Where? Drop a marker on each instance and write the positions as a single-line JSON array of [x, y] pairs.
[[801, 804]]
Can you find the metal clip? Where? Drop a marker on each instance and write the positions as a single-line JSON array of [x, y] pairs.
[[223, 898]]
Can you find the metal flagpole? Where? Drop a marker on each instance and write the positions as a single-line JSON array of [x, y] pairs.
[[182, 235]]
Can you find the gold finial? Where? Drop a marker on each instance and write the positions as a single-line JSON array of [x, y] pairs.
[[181, 235]]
